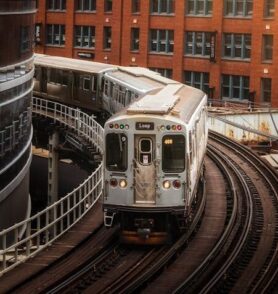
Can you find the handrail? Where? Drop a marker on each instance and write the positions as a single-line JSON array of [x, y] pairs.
[[46, 226], [77, 120]]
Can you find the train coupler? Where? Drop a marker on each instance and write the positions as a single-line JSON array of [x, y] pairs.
[[108, 218]]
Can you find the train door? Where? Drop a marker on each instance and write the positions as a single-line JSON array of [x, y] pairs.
[[144, 170]]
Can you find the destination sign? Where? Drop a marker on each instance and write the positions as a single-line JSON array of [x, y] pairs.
[[146, 126]]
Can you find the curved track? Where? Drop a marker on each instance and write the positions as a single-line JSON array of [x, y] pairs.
[[233, 249]]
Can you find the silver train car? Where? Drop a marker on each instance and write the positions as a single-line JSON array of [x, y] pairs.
[[91, 86], [74, 82], [154, 157]]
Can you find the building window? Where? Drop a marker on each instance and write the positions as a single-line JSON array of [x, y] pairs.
[[25, 39], [238, 8], [107, 35], [165, 72], [162, 41], [55, 34], [199, 7], [162, 6], [198, 80], [266, 90], [84, 36], [197, 43], [85, 5], [135, 6], [269, 8], [267, 49], [56, 4], [235, 87], [237, 46], [135, 35], [108, 5]]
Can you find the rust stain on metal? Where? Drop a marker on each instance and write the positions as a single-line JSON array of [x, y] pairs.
[[231, 133], [264, 127]]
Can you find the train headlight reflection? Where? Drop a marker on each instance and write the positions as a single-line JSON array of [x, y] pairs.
[[123, 183], [166, 184]]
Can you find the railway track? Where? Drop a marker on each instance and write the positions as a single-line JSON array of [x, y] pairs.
[[239, 256], [133, 266], [255, 268], [244, 258]]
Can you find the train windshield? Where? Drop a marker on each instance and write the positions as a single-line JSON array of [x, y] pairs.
[[116, 152], [173, 153]]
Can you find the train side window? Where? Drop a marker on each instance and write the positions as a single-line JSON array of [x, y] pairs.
[[94, 83], [106, 87], [85, 83], [173, 153], [116, 152], [111, 89], [127, 96]]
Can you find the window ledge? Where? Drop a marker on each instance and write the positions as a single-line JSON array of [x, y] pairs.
[[56, 10], [199, 15], [240, 17], [161, 53], [235, 59], [197, 56], [84, 48], [85, 11], [56, 46], [162, 14]]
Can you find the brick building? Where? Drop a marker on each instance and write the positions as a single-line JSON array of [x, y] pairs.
[[226, 47]]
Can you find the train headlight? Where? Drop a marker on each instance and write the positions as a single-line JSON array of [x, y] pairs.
[[123, 183], [176, 184], [113, 182], [166, 184]]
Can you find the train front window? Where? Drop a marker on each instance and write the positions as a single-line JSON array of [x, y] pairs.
[[116, 152], [173, 153]]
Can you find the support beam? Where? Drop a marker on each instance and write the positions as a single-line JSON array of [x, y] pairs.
[[53, 164]]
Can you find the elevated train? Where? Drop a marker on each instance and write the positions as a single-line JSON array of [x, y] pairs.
[[155, 141], [92, 86], [154, 154]]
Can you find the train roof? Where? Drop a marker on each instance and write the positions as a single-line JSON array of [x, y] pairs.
[[71, 64], [139, 78], [138, 82], [178, 100]]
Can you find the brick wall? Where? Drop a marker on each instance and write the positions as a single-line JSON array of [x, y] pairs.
[[122, 20]]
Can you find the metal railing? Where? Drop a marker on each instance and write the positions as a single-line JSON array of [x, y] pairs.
[[46, 226], [77, 120]]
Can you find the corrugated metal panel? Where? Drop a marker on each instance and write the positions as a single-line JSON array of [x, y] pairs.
[[249, 127]]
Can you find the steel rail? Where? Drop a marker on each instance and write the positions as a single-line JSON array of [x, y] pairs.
[[192, 279], [134, 283], [270, 272]]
